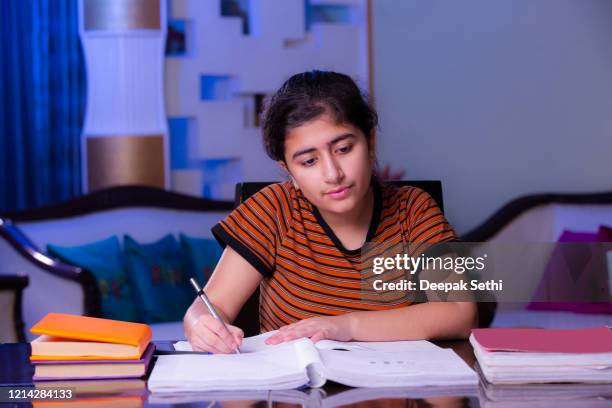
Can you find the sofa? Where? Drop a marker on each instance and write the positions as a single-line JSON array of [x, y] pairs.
[[144, 213], [541, 220]]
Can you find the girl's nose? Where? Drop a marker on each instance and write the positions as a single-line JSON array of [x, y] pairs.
[[333, 171]]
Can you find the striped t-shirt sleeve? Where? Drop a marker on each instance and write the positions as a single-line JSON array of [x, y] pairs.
[[252, 230]]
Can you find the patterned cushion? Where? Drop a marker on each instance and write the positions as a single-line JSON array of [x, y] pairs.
[[576, 270], [160, 281], [105, 261], [201, 256]]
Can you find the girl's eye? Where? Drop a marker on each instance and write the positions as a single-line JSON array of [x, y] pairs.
[[344, 149], [309, 162]]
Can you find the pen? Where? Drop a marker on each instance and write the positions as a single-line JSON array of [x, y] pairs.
[[209, 305]]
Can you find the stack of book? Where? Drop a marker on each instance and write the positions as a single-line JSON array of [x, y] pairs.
[[526, 355], [80, 347]]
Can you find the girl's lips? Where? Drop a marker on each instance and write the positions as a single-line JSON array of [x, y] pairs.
[[341, 193]]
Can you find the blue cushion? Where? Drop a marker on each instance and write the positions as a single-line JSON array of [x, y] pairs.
[[158, 276], [201, 256], [105, 261]]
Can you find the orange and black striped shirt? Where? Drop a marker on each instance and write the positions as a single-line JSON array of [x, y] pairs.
[[307, 271]]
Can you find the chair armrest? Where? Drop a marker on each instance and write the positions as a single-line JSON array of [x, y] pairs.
[[11, 290], [22, 245]]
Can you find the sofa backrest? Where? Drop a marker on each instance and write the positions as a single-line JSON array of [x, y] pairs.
[[544, 217], [144, 224], [143, 212], [546, 223]]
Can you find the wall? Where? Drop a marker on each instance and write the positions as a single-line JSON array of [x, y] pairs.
[[214, 80], [497, 99]]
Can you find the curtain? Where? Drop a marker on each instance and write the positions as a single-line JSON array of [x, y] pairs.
[[42, 100]]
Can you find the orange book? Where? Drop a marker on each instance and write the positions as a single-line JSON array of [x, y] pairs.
[[75, 337]]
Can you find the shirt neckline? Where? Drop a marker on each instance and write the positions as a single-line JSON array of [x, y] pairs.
[[371, 230]]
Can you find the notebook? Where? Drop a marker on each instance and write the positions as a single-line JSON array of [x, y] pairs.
[[576, 341], [526, 355], [93, 369], [528, 346], [74, 337], [301, 363]]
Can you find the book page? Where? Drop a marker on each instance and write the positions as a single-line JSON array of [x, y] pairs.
[[388, 346], [310, 359], [389, 369], [279, 367]]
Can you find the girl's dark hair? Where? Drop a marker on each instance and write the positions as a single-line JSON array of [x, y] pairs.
[[308, 95]]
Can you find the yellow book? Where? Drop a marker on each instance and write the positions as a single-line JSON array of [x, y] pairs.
[[75, 337]]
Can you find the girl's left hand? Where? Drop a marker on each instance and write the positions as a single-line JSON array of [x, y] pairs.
[[316, 328]]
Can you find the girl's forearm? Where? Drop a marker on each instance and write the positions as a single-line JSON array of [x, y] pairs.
[[423, 321]]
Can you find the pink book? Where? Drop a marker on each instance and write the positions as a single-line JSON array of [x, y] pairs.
[[579, 341]]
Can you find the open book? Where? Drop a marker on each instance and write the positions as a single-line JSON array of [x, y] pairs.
[[302, 363]]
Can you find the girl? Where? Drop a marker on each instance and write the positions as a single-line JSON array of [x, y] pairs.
[[300, 240]]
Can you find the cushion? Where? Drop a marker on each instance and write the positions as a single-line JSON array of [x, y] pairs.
[[201, 256], [158, 276], [604, 234], [577, 269], [105, 261]]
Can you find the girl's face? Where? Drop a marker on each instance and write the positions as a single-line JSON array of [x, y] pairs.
[[330, 163]]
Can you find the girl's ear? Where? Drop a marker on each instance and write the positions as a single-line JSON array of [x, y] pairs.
[[283, 166]]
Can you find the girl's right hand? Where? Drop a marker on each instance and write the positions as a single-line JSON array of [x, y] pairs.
[[205, 333]]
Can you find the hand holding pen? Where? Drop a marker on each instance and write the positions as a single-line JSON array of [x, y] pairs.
[[217, 336]]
